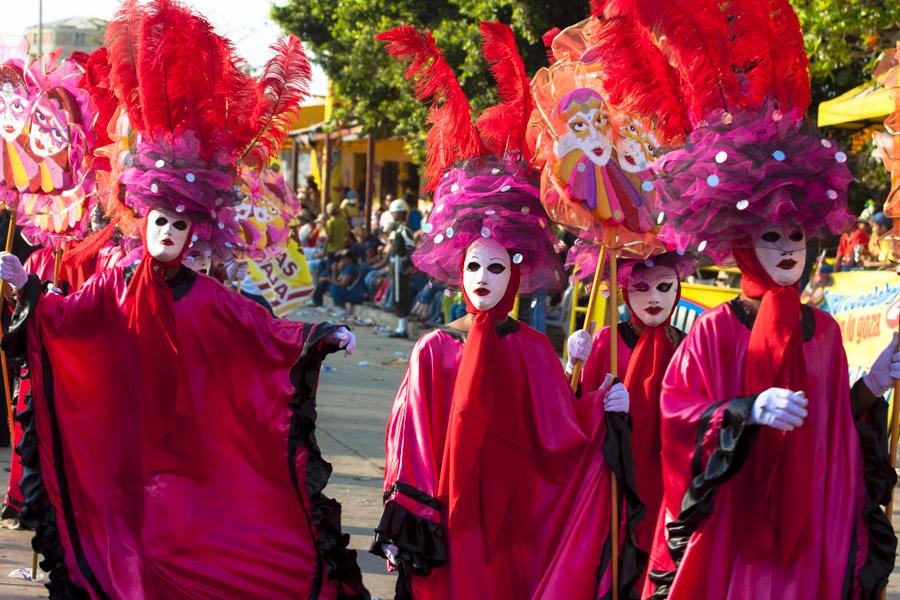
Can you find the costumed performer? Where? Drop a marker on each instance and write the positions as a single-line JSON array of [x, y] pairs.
[[497, 478], [203, 401], [773, 467]]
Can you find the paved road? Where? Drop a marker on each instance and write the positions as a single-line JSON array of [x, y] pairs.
[[354, 402]]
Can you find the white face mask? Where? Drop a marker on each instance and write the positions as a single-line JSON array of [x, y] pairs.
[[652, 293], [486, 272], [782, 253], [198, 257], [167, 233]]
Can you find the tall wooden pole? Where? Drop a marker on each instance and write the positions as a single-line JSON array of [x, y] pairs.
[[592, 300], [295, 163], [614, 369], [326, 166], [10, 238]]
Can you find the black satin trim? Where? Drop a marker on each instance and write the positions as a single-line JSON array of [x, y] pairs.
[[880, 480], [736, 437], [747, 317], [182, 282], [414, 493], [619, 458], [628, 333], [420, 542], [333, 557]]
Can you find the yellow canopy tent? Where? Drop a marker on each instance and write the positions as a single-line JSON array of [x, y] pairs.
[[867, 104]]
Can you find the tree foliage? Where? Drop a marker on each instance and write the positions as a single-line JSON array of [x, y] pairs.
[[370, 85]]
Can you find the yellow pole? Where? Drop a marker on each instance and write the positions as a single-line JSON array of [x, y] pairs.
[[613, 368], [514, 313], [595, 289], [10, 237], [57, 262]]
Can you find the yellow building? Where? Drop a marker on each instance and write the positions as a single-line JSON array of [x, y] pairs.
[[394, 170]]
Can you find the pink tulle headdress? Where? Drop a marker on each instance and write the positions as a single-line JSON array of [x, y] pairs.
[[735, 76], [583, 257], [479, 171], [196, 115]]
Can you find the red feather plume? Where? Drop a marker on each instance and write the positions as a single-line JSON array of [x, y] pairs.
[[452, 135], [283, 86], [175, 74], [96, 82], [547, 39], [790, 61], [638, 79], [502, 126], [753, 42], [696, 33]]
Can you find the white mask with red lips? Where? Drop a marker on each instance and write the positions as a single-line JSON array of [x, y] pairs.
[[167, 234], [782, 253], [652, 294], [486, 273]]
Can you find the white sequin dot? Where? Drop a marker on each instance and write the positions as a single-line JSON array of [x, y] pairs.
[[485, 232], [221, 225], [490, 212], [154, 188], [526, 210], [826, 143], [160, 164], [427, 227], [228, 244], [712, 180], [190, 177], [505, 188], [517, 258], [648, 263], [449, 232], [454, 188], [778, 155], [495, 171], [777, 115], [580, 167], [721, 156], [647, 186], [742, 204], [841, 157], [438, 238], [179, 208], [832, 194], [701, 246], [439, 209], [660, 218], [194, 238], [220, 201]]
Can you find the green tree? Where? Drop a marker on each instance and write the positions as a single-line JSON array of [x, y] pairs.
[[370, 85]]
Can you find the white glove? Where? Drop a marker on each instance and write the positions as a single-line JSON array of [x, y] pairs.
[[579, 346], [238, 270], [52, 289], [885, 369], [617, 398], [392, 552], [343, 338], [779, 408], [11, 270]]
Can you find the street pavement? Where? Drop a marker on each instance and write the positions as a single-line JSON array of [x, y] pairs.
[[355, 397]]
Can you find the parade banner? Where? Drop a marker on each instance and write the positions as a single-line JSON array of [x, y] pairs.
[[696, 299], [866, 305], [284, 281]]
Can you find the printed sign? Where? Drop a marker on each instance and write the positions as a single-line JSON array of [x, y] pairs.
[[284, 280]]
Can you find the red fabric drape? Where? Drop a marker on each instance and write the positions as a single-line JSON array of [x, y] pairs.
[[643, 379], [774, 486], [488, 473], [170, 431]]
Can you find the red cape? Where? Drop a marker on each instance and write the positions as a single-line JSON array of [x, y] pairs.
[[255, 525], [707, 440], [568, 555]]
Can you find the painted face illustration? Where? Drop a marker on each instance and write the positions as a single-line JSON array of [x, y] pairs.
[[635, 145], [49, 133], [652, 294], [14, 104], [486, 273], [167, 233], [587, 126], [782, 253], [198, 256]]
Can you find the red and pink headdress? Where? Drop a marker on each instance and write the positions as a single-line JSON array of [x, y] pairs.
[[483, 185], [196, 113], [750, 159], [584, 255]]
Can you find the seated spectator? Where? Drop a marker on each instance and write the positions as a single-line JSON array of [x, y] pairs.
[[386, 221], [879, 251], [349, 286], [853, 247]]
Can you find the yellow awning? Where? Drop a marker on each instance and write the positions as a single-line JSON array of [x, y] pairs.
[[868, 103]]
